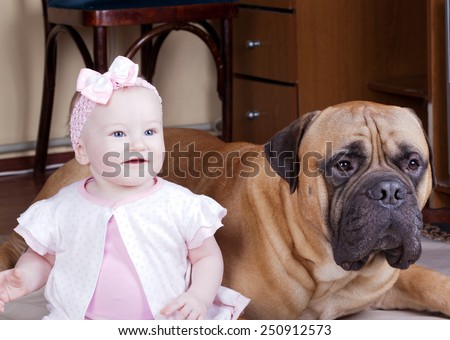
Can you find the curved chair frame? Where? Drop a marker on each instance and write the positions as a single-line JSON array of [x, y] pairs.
[[162, 32]]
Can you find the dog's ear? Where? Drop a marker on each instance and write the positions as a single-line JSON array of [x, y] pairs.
[[281, 150]]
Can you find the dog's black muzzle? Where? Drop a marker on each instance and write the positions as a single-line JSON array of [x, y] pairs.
[[381, 217]]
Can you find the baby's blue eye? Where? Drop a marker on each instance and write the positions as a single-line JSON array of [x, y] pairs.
[[118, 134], [149, 132]]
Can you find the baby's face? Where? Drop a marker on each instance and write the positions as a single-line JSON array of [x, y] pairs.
[[123, 140]]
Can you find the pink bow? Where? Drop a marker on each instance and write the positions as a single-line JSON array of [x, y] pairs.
[[99, 87]]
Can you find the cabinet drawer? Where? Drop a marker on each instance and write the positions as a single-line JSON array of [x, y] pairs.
[[264, 45], [260, 109]]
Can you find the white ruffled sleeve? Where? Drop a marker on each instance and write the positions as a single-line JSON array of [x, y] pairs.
[[205, 218], [36, 226]]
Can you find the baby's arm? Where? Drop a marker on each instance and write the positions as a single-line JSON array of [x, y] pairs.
[[30, 274], [207, 272]]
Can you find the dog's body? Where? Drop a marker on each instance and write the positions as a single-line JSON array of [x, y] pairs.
[[321, 241]]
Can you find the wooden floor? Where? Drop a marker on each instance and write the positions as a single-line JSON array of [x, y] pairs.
[[17, 193]]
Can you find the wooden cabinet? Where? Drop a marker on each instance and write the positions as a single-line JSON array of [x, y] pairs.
[[262, 108], [291, 57], [437, 96], [265, 67], [265, 45], [327, 52]]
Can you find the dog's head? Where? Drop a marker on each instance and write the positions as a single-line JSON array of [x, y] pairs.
[[367, 168]]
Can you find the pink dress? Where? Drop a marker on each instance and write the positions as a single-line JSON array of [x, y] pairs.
[[90, 239], [119, 294]]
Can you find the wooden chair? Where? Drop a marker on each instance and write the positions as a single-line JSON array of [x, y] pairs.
[[64, 16]]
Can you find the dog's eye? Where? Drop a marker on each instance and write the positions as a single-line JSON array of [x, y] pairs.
[[413, 164], [343, 166]]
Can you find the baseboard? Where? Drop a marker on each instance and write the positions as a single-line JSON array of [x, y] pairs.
[[27, 162]]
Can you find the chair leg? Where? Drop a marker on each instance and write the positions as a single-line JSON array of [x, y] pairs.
[[146, 52], [156, 47], [48, 91], [100, 49], [48, 94], [227, 99]]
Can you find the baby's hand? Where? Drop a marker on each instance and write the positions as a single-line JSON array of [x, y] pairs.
[[11, 287], [186, 306]]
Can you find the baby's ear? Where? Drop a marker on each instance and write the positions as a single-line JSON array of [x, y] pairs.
[[80, 153]]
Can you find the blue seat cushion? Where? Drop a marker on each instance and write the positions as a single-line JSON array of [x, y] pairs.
[[123, 4]]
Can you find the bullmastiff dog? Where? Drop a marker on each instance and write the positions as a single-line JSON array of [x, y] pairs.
[[323, 221]]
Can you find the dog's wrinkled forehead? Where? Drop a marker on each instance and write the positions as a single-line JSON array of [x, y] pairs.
[[386, 128]]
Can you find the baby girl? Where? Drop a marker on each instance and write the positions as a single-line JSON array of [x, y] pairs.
[[123, 243]]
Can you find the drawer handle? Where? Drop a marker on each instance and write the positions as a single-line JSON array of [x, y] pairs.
[[250, 44], [251, 115]]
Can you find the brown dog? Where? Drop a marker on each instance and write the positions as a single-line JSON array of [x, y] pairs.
[[323, 221]]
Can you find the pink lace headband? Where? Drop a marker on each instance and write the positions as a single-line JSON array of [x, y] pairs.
[[96, 88]]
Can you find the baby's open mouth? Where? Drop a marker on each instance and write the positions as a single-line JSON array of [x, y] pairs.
[[135, 160]]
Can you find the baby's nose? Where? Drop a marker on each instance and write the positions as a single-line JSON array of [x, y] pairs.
[[136, 144]]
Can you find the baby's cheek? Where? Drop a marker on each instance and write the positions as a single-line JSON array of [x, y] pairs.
[[156, 162]]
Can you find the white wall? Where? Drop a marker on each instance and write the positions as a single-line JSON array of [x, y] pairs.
[[185, 75]]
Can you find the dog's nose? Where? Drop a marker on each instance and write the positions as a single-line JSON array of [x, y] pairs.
[[388, 193]]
